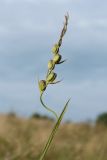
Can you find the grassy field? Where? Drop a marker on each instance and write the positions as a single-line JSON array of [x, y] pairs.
[[23, 139]]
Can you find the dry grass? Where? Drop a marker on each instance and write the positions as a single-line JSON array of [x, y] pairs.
[[23, 139]]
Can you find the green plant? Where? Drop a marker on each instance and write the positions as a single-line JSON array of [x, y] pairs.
[[50, 80]]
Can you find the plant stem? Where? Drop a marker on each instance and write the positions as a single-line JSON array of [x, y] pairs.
[[46, 107], [53, 132]]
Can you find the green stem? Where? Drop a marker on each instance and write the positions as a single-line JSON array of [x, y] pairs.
[[46, 107], [53, 132]]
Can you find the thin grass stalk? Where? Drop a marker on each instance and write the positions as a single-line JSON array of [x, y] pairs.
[[56, 126], [50, 80]]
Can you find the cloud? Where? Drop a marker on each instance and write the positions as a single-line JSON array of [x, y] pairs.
[[95, 24], [28, 30]]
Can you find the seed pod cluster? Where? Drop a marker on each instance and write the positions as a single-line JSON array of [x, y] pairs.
[[51, 75]]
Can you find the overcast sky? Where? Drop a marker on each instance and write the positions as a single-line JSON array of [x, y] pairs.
[[28, 30]]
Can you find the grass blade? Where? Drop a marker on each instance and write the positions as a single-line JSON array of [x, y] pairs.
[[53, 132]]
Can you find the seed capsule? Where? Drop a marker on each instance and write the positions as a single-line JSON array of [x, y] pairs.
[[55, 49], [42, 85], [51, 77], [51, 65], [57, 58]]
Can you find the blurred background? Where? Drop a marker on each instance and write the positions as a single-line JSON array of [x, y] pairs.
[[28, 30]]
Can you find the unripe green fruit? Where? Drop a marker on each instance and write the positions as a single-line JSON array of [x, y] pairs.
[[51, 65], [57, 58], [55, 49], [51, 77], [42, 85]]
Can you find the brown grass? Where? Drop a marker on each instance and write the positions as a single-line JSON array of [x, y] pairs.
[[23, 139]]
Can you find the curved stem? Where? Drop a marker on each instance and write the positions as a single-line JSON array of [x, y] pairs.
[[53, 132], [46, 107]]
